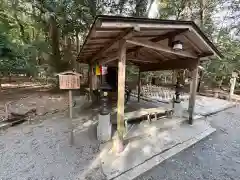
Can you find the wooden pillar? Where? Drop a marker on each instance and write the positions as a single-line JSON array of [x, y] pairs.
[[71, 116], [193, 90], [121, 90], [139, 84], [174, 77], [90, 81]]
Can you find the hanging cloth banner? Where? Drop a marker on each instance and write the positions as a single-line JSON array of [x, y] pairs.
[[100, 70], [97, 70], [103, 70]]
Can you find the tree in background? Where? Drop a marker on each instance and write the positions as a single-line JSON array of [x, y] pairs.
[[51, 31], [219, 20], [37, 33]]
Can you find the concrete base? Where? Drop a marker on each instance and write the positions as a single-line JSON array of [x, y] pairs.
[[178, 110], [104, 128], [154, 145]]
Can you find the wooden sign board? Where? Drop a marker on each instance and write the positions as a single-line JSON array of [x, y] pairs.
[[69, 80]]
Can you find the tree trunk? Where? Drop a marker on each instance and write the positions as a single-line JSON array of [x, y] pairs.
[[9, 77], [201, 13], [78, 49], [54, 34]]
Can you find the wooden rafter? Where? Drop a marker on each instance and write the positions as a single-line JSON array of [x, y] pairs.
[[168, 35], [151, 51], [125, 34], [143, 60], [158, 47], [197, 49], [160, 38]]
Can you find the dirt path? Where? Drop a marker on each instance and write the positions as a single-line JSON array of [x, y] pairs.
[[20, 98]]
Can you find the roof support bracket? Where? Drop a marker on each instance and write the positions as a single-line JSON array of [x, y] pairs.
[[122, 35]]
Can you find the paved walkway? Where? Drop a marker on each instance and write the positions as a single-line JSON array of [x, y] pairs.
[[215, 158]]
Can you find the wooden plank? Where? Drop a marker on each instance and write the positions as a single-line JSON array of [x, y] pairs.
[[158, 110], [151, 45], [125, 34], [135, 114], [121, 88], [139, 84], [193, 92]]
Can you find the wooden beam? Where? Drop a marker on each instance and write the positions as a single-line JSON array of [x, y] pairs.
[[109, 29], [151, 45], [143, 60], [92, 48], [160, 38], [206, 54], [181, 63], [113, 56], [193, 88], [125, 34], [121, 89], [171, 34], [102, 38], [89, 43]]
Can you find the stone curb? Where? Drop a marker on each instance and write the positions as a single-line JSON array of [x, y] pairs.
[[156, 160], [220, 110]]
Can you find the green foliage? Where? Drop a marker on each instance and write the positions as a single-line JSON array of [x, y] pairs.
[[49, 32], [219, 20]]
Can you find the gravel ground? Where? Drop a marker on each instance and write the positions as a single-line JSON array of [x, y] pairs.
[[215, 158], [42, 152]]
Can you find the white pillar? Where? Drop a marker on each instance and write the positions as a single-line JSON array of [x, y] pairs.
[[233, 83]]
